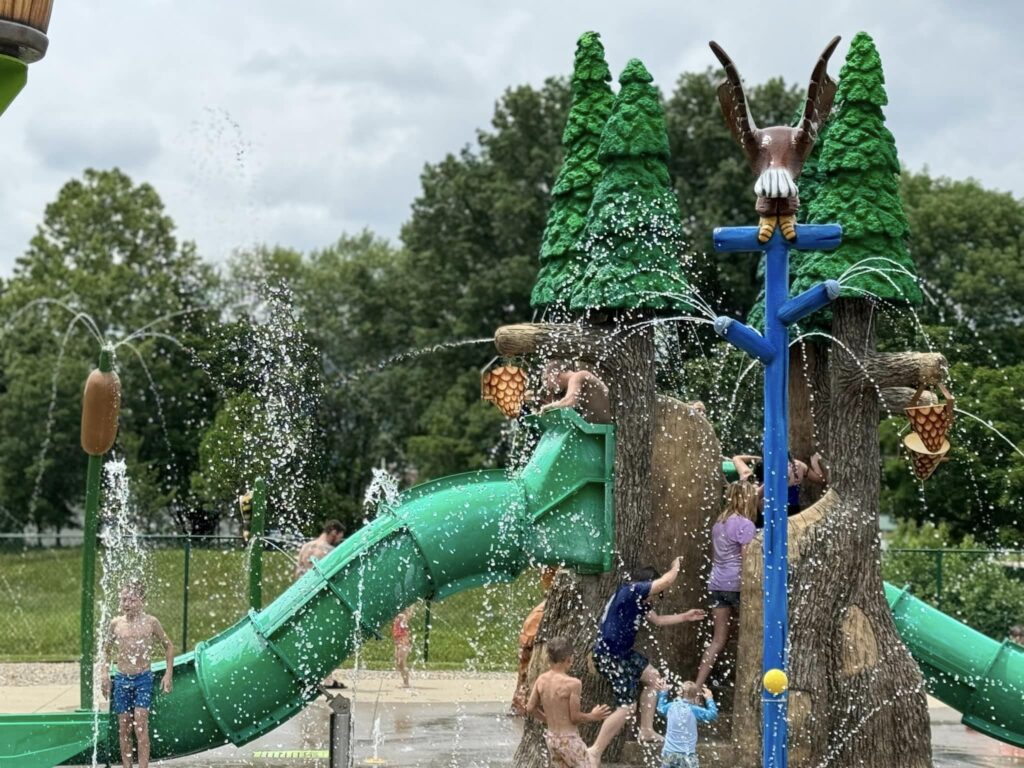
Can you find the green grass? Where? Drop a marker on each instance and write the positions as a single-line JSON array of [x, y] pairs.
[[39, 589]]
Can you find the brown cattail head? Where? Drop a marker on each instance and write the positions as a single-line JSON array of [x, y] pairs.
[[31, 13], [101, 404], [505, 386]]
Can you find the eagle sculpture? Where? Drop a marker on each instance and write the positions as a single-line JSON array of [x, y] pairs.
[[776, 155]]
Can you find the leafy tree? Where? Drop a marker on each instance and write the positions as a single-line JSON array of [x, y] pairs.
[[633, 235], [562, 261], [859, 189], [968, 246], [104, 264], [268, 421]]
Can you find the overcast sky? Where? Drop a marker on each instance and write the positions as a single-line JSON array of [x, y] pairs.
[[291, 123]]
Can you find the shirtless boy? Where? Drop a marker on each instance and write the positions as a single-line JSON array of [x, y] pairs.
[[555, 701], [129, 640]]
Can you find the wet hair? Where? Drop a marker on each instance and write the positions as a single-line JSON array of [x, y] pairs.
[[136, 587], [647, 573], [1017, 633], [740, 499], [686, 689], [334, 526], [559, 649], [554, 367]]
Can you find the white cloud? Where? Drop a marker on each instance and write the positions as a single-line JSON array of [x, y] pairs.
[[258, 121]]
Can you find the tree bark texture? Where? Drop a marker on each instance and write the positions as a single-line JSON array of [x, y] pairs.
[[856, 698], [808, 404], [622, 353], [685, 482]]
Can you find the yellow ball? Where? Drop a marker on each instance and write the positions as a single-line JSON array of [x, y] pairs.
[[775, 681]]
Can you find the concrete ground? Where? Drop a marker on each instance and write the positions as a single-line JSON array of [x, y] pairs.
[[454, 720]]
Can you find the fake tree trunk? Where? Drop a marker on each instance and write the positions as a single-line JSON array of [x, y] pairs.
[[856, 697], [686, 487], [623, 354]]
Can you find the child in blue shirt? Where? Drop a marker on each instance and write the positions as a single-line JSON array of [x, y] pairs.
[[682, 712]]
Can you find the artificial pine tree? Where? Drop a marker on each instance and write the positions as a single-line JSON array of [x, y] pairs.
[[856, 184], [562, 261], [633, 237]]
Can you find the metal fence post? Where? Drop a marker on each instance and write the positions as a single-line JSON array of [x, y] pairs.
[[426, 633], [184, 606], [256, 528], [340, 745], [938, 578]]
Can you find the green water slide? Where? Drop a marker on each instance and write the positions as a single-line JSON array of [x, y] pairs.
[[439, 538], [975, 675]]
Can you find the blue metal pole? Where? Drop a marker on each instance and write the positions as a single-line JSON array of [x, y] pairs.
[[776, 471], [772, 349]]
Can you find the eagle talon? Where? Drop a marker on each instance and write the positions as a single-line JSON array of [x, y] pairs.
[[767, 227], [788, 226]]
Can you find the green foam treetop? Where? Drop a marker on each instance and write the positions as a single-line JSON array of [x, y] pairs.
[[856, 184], [633, 237], [562, 262]]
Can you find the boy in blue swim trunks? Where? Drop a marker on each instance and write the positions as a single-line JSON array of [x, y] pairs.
[[622, 666], [129, 640]]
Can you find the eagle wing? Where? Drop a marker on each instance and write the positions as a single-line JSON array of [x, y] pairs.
[[821, 93], [735, 109]]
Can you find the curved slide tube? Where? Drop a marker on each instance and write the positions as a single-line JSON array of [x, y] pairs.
[[439, 538], [975, 675]]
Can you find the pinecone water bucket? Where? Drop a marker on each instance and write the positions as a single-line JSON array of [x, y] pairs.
[[925, 461], [505, 386], [931, 422]]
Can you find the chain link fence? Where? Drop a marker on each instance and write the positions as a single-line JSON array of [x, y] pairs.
[[197, 587]]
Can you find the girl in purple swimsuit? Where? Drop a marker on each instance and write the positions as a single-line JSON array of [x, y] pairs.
[[730, 536]]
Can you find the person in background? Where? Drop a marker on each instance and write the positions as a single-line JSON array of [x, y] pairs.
[[753, 467], [555, 701], [331, 535], [1017, 634], [730, 535], [402, 635], [682, 713]]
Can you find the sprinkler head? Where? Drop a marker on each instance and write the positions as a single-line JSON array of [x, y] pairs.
[[722, 324]]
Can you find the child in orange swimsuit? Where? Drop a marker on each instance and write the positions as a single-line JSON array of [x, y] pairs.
[[403, 643]]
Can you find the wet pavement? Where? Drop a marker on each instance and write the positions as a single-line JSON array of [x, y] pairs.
[[479, 735]]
